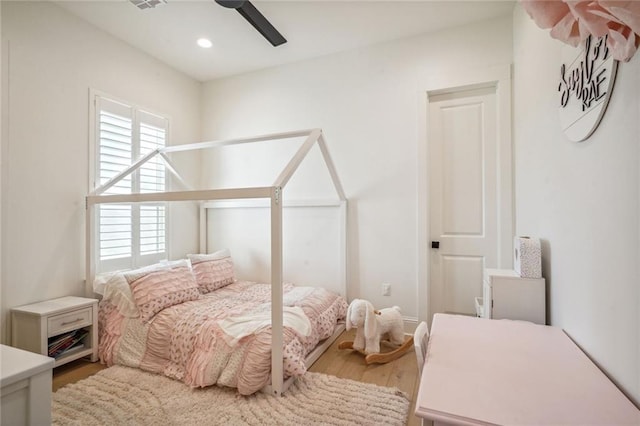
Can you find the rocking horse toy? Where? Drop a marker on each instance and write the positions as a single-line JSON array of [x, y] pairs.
[[372, 327]]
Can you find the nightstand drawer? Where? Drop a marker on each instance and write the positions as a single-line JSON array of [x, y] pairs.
[[70, 321]]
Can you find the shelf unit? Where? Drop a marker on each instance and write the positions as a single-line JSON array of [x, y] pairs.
[[507, 295], [34, 326]]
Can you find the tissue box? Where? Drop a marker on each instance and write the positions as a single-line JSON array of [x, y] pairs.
[[527, 257]]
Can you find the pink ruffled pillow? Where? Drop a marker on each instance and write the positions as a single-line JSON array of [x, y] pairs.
[[212, 271], [156, 289]]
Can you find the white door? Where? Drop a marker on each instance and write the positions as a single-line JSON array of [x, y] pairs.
[[463, 196]]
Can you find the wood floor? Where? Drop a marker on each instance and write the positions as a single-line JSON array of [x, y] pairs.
[[401, 373]]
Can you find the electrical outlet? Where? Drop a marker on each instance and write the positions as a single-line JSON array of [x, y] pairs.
[[386, 289]]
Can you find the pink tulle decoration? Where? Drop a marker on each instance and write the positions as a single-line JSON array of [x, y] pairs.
[[572, 21]]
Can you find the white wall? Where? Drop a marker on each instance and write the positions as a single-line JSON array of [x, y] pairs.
[[583, 200], [367, 103], [51, 60], [2, 137]]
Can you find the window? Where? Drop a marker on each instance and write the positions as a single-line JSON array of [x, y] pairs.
[[129, 235]]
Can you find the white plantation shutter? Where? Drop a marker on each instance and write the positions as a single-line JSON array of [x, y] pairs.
[[152, 179], [152, 229], [114, 155], [115, 149], [129, 235], [152, 173], [115, 231]]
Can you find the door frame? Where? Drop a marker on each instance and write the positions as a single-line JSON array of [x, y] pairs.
[[500, 78]]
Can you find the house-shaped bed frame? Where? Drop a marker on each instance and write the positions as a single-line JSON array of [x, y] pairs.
[[272, 193]]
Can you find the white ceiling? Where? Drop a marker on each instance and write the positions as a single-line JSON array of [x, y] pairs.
[[312, 28]]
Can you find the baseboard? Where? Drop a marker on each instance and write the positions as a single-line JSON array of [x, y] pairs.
[[410, 324]]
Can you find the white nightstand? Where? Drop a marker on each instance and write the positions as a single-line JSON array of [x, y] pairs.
[[35, 326]]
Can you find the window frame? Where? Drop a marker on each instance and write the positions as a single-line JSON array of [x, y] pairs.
[[136, 259]]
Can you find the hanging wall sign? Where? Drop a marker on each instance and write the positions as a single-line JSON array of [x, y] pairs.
[[586, 82]]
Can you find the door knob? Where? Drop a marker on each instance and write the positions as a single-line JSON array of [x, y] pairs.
[[435, 244]]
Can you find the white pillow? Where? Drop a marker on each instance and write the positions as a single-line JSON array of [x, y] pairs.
[[118, 293], [168, 264], [220, 254], [101, 280]]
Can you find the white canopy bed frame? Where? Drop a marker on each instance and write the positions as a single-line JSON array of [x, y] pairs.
[[246, 197]]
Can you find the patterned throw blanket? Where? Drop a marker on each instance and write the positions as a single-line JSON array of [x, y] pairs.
[[187, 343]]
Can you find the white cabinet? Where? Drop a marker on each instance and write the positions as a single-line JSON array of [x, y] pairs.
[[25, 379], [68, 323], [507, 295]]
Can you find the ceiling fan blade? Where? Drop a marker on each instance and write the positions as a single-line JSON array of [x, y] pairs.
[[231, 4], [260, 23]]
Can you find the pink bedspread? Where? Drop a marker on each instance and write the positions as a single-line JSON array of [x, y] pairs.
[[185, 341]]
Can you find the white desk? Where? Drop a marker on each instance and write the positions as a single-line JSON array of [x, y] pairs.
[[480, 371], [25, 379]]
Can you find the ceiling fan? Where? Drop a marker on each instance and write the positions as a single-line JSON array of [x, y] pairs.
[[255, 18]]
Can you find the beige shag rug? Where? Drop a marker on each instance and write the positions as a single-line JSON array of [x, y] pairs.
[[126, 396]]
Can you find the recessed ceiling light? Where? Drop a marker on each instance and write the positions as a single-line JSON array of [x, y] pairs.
[[204, 43]]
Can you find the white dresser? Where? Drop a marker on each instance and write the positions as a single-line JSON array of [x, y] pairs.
[[26, 387], [507, 295]]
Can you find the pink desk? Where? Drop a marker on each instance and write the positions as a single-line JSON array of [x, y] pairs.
[[481, 371]]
